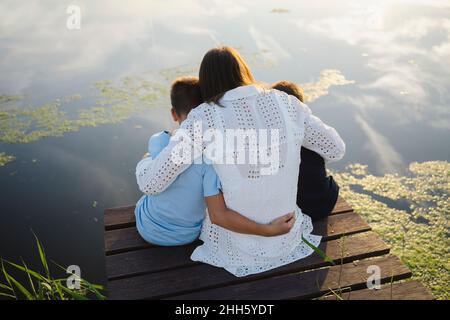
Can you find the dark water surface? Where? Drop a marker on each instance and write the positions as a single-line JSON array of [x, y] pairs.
[[389, 98]]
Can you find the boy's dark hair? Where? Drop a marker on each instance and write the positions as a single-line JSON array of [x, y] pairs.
[[185, 95], [290, 88]]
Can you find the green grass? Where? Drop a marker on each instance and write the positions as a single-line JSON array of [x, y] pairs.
[[318, 251], [43, 286]]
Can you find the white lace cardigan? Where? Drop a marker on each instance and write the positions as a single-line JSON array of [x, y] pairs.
[[260, 197]]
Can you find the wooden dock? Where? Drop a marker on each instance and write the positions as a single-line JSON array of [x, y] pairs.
[[139, 270]]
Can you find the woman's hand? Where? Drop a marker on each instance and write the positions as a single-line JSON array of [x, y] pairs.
[[280, 226]]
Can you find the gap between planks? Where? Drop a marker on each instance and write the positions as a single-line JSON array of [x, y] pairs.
[[123, 217], [333, 227], [307, 285], [203, 276], [146, 261]]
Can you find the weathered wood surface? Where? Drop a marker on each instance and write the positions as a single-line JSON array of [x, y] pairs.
[[309, 284], [122, 217], [139, 270], [128, 239], [149, 260], [202, 276]]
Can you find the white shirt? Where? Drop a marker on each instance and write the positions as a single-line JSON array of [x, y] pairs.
[[252, 189]]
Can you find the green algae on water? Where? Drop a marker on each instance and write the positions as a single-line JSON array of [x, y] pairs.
[[117, 101], [5, 158], [327, 79], [8, 98], [280, 10], [417, 233]]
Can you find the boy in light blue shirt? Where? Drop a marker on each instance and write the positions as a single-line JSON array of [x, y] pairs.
[[175, 216]]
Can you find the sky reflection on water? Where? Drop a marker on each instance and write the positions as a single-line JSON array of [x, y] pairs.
[[395, 112]]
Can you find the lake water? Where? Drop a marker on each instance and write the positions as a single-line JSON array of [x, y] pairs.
[[378, 71]]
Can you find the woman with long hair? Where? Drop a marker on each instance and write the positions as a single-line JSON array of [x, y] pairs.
[[271, 128]]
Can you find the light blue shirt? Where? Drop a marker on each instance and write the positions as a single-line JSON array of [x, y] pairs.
[[175, 216]]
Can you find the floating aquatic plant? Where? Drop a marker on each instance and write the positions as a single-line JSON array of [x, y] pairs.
[[327, 79], [417, 233], [280, 10], [116, 102], [5, 158], [8, 98]]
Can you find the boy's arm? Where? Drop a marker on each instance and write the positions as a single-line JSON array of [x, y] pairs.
[[231, 220]]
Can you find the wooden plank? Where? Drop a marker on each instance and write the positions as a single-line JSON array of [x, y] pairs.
[[123, 217], [309, 284], [149, 260], [120, 217], [341, 206], [410, 290], [203, 276], [121, 240], [335, 226]]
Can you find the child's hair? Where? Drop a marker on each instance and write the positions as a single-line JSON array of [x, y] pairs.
[[185, 95], [290, 88]]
